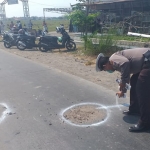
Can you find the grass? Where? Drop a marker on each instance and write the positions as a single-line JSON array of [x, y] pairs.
[[131, 38], [104, 44]]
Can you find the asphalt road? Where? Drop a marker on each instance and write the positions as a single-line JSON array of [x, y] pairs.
[[35, 97]]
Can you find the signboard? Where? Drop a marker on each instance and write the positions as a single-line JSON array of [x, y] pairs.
[[10, 2], [58, 9], [95, 1]]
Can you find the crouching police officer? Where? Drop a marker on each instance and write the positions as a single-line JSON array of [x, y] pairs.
[[136, 62]]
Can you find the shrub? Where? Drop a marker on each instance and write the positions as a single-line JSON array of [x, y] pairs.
[[103, 44]]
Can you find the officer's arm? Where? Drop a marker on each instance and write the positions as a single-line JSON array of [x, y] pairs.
[[125, 75]]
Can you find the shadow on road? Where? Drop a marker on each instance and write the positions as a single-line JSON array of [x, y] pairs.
[[131, 119], [33, 49]]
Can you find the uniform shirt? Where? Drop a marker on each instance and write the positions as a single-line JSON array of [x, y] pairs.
[[128, 62]]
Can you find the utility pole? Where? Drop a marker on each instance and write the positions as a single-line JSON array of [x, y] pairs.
[[86, 27], [26, 11], [2, 12], [44, 13], [87, 13]]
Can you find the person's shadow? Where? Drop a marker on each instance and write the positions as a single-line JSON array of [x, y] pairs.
[[131, 119]]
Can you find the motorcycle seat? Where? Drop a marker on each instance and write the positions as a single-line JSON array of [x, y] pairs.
[[50, 37], [32, 37], [15, 35], [27, 37]]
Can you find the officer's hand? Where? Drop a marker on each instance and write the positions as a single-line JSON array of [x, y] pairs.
[[120, 94], [122, 86]]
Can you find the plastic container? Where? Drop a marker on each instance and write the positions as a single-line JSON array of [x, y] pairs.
[[128, 87]]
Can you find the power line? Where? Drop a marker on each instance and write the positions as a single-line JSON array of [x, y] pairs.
[[39, 3]]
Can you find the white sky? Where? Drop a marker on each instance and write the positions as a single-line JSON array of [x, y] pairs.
[[36, 7]]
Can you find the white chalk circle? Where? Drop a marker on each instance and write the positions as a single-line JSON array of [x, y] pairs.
[[4, 110], [85, 114]]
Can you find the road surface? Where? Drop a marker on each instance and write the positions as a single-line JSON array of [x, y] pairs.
[[34, 97]]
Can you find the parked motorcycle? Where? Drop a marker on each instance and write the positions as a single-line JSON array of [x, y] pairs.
[[53, 42], [26, 41], [10, 39]]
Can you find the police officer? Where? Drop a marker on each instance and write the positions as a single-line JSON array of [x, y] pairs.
[[134, 63]]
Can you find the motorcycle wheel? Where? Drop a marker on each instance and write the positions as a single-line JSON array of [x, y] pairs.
[[21, 47], [43, 49], [7, 45], [70, 45]]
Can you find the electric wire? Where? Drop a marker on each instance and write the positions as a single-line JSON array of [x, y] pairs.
[[40, 3], [43, 4]]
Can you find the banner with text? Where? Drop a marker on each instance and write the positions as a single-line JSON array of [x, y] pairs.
[[10, 2]]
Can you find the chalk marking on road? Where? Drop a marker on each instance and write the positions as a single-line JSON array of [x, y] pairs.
[[4, 114], [100, 106], [125, 104], [27, 83], [118, 103], [35, 119], [111, 106], [37, 87]]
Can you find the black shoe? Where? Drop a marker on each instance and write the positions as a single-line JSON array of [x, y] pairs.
[[127, 112], [139, 127]]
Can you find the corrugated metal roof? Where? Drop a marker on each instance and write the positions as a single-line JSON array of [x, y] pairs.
[[112, 1], [105, 2]]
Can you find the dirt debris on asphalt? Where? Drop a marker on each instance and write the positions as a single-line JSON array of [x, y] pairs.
[[85, 115]]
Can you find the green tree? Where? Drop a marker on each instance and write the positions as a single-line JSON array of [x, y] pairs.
[[87, 13], [80, 19]]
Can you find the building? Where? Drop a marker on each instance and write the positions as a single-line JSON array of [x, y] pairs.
[[135, 13], [121, 8]]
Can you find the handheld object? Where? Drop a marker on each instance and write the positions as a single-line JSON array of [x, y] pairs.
[[128, 87]]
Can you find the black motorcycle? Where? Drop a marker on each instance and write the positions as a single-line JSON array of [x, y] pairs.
[[26, 41], [53, 42], [10, 39]]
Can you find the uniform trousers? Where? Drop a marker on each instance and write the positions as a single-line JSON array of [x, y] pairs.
[[140, 93]]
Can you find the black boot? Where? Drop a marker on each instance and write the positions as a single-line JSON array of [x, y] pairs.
[[127, 112], [139, 127]]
